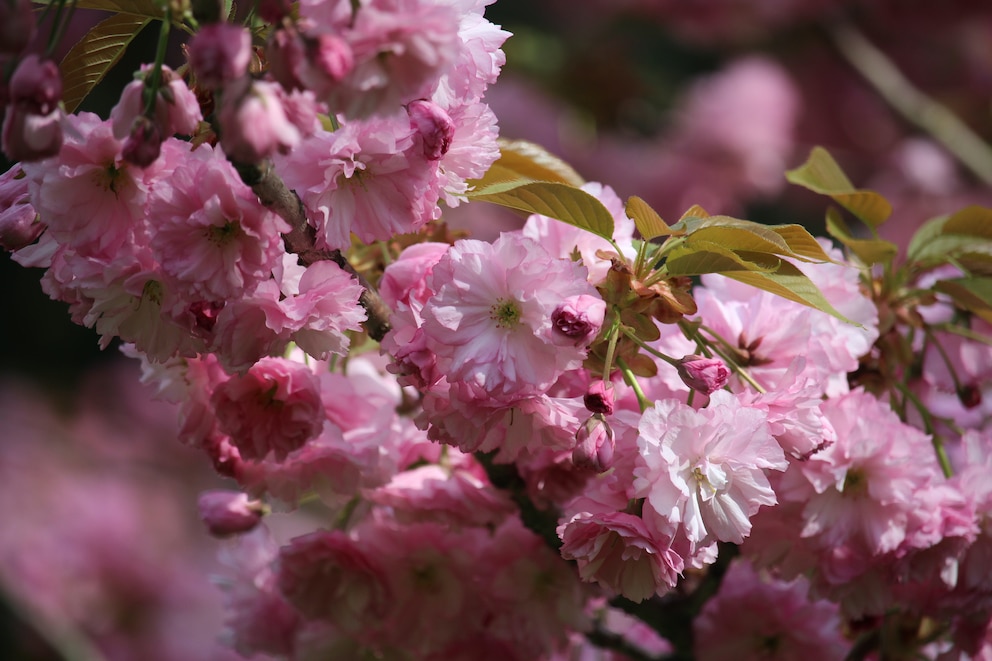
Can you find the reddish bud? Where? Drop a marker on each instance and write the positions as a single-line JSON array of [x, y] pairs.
[[220, 53], [705, 375], [433, 125], [28, 136], [36, 85], [19, 225], [970, 396], [229, 512], [144, 144], [599, 397], [594, 445], [579, 318]]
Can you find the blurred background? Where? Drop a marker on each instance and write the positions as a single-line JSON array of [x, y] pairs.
[[681, 102]]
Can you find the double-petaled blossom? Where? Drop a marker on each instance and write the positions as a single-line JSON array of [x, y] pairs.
[[491, 322], [704, 470]]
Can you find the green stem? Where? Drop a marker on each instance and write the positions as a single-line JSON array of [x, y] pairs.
[[643, 402], [651, 350], [727, 358], [938, 444], [59, 26], [611, 348], [964, 332], [344, 516], [154, 82], [932, 339]]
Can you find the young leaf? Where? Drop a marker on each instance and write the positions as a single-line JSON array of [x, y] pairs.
[[646, 219], [95, 54], [869, 251], [821, 174], [700, 257], [531, 161], [972, 294], [553, 199], [791, 283], [964, 237], [971, 221]]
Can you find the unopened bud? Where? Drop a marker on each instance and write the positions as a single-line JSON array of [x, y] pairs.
[[229, 512], [28, 136], [219, 54], [433, 125], [36, 85], [579, 318], [332, 56], [599, 397], [705, 375], [144, 144], [19, 225], [594, 445]]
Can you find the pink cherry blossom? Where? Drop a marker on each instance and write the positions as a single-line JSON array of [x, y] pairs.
[[211, 233], [705, 470], [620, 553], [490, 322], [275, 407], [791, 625]]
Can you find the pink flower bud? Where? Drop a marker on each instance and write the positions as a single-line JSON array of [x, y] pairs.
[[332, 56], [599, 397], [220, 53], [433, 125], [229, 512], [19, 225], [594, 445], [28, 136], [254, 125], [144, 144], [17, 26], [705, 375], [579, 318], [36, 85]]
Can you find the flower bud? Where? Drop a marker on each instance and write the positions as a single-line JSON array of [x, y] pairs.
[[144, 144], [594, 445], [254, 125], [433, 125], [36, 85], [579, 318], [28, 136], [229, 512], [219, 54], [19, 224], [332, 56], [599, 397], [705, 375], [17, 26]]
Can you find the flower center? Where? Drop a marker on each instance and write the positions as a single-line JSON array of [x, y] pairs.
[[506, 313]]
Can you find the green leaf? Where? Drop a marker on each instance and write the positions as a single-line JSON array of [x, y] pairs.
[[701, 257], [553, 199], [89, 60], [646, 219], [869, 251], [972, 294], [745, 235], [821, 174], [971, 221], [791, 283], [964, 237], [520, 160]]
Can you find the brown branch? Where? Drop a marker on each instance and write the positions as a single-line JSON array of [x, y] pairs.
[[302, 238]]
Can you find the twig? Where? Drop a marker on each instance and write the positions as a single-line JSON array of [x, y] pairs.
[[926, 113], [302, 238]]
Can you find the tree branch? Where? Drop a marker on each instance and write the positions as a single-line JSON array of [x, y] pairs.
[[302, 238]]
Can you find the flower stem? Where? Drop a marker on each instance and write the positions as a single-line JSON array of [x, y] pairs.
[[643, 402]]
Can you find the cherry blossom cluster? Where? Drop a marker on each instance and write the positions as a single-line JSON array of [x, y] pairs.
[[554, 447]]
